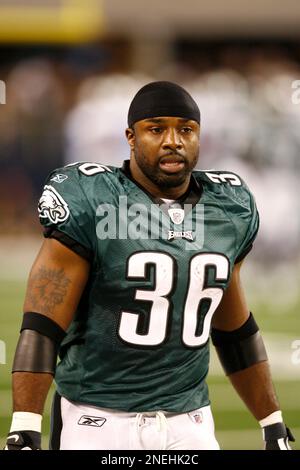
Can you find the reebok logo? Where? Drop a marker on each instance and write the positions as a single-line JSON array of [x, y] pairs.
[[91, 421]]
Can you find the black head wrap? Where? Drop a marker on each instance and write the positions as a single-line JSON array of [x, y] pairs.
[[158, 99]]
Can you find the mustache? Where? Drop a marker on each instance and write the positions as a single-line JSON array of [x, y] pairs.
[[166, 156]]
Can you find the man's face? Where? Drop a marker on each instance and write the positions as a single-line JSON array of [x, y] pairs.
[[166, 149]]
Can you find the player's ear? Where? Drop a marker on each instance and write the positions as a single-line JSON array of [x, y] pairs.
[[130, 135]]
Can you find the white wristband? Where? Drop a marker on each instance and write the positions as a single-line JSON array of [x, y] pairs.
[[25, 421], [273, 418]]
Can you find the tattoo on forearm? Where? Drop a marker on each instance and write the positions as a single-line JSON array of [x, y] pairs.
[[48, 289]]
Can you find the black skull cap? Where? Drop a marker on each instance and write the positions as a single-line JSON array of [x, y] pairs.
[[157, 99]]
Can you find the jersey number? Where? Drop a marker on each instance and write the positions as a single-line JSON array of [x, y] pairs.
[[160, 310], [230, 178], [91, 169]]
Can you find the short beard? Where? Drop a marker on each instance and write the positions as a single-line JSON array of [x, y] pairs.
[[161, 179]]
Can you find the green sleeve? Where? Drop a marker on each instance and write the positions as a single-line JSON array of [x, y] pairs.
[[251, 229], [64, 209]]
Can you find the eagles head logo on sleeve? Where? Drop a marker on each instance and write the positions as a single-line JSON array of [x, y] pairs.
[[52, 206]]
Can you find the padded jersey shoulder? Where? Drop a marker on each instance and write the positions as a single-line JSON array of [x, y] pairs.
[[227, 185], [66, 204], [81, 171], [229, 191], [84, 179]]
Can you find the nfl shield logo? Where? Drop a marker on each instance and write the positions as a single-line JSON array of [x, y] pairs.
[[177, 215], [197, 417]]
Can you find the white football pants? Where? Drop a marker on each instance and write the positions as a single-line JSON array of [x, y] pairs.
[[87, 427]]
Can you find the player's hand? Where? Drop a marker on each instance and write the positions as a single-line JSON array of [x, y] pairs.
[[23, 440], [277, 437]]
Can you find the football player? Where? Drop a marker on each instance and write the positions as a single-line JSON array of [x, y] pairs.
[[140, 265]]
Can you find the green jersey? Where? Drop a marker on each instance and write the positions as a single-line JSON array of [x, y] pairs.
[[139, 340]]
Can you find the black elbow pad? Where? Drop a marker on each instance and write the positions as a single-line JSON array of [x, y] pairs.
[[240, 348], [38, 344]]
